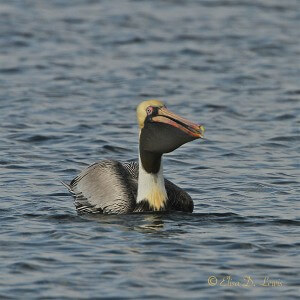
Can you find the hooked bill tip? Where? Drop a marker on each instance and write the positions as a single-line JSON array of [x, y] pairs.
[[202, 130]]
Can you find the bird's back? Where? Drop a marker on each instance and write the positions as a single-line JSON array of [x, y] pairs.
[[111, 187]]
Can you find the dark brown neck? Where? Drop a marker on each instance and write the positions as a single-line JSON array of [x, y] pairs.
[[150, 161]]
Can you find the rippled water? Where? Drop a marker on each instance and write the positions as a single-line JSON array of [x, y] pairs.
[[71, 74]]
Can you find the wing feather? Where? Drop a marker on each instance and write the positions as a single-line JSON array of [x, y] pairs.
[[111, 187], [105, 187]]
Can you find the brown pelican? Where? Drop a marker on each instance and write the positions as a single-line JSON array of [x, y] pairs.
[[117, 188]]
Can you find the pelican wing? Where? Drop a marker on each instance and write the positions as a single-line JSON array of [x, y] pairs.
[[111, 187], [178, 199], [104, 187]]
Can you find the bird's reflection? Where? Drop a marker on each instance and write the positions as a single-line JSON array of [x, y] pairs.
[[152, 223], [158, 223], [143, 222]]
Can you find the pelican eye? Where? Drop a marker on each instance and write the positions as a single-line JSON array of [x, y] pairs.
[[149, 110]]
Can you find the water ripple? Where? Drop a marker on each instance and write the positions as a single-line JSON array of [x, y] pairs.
[[71, 77]]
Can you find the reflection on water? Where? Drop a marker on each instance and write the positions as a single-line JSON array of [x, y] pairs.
[[152, 223], [141, 222]]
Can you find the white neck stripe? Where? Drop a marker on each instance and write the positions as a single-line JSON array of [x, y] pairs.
[[151, 187]]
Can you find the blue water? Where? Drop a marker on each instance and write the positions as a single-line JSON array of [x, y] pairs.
[[71, 75]]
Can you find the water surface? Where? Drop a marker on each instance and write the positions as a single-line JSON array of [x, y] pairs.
[[71, 75]]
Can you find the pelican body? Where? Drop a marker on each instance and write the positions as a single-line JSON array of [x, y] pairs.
[[113, 187]]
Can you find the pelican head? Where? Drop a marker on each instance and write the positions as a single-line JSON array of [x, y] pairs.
[[162, 131]]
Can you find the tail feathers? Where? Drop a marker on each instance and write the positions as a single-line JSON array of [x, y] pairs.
[[66, 186], [81, 203]]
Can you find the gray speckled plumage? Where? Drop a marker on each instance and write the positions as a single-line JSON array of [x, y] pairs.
[[111, 187]]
